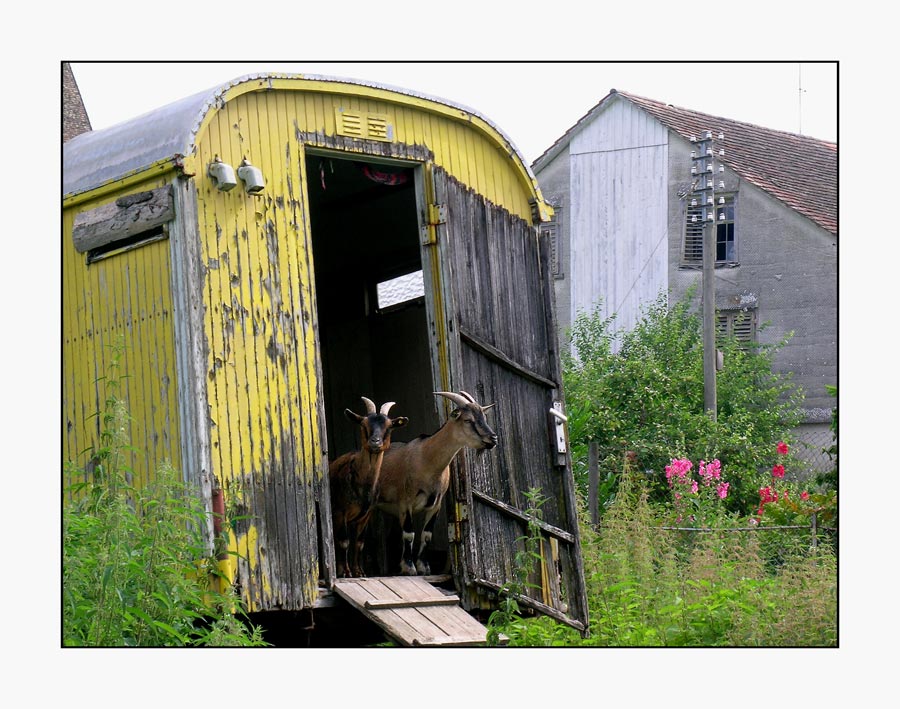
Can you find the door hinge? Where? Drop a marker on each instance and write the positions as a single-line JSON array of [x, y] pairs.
[[454, 528], [437, 214]]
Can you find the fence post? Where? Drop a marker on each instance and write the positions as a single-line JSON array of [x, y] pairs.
[[815, 536], [593, 481]]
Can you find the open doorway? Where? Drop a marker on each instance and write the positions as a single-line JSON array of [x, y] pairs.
[[373, 323]]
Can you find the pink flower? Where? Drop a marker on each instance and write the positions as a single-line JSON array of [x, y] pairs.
[[722, 490], [804, 495], [782, 448], [710, 471], [678, 468], [778, 471], [694, 486]]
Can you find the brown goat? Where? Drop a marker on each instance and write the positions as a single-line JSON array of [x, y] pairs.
[[354, 479], [415, 476]]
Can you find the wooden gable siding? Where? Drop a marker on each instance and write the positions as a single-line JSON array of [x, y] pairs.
[[619, 224], [507, 355], [124, 299]]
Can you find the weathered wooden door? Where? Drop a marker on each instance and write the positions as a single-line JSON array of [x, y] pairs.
[[503, 350]]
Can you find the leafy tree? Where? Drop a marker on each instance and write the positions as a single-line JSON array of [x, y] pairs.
[[647, 399]]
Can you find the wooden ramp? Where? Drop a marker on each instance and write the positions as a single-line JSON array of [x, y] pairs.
[[413, 611]]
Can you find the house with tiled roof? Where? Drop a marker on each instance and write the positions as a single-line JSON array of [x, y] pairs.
[[628, 226], [75, 119]]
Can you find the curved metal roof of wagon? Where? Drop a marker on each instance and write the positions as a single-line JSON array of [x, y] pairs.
[[95, 158]]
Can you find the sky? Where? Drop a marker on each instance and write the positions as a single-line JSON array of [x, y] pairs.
[[532, 102]]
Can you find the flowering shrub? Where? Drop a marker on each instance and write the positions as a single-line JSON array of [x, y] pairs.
[[694, 499], [791, 507]]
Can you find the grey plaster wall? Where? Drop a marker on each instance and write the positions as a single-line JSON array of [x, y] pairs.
[[789, 264]]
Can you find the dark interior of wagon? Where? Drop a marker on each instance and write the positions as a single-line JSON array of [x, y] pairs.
[[373, 326]]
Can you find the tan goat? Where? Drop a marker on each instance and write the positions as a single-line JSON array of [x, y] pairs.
[[354, 479], [415, 476]]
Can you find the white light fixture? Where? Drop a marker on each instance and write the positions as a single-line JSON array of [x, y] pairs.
[[721, 136], [721, 185], [721, 200], [721, 216], [693, 202], [252, 177], [222, 175]]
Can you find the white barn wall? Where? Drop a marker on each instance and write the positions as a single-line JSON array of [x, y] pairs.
[[619, 229]]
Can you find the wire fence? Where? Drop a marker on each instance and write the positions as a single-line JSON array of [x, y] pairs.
[[814, 528]]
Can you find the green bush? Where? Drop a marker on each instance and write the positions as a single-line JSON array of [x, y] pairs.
[[136, 571], [647, 399]]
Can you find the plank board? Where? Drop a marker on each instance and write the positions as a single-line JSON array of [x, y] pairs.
[[412, 611]]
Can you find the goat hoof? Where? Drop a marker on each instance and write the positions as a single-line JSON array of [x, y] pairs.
[[407, 570], [422, 569]]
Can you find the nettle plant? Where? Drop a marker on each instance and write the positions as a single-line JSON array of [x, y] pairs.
[[696, 501]]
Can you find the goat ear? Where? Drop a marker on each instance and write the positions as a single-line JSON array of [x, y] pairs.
[[455, 413], [356, 418], [399, 421]]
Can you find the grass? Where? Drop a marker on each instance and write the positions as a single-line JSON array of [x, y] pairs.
[[652, 587]]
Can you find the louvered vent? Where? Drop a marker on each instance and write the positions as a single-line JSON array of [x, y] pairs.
[[366, 126], [740, 324], [693, 236]]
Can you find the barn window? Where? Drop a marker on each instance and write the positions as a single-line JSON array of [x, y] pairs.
[[119, 246], [402, 289], [726, 252], [739, 324], [132, 221]]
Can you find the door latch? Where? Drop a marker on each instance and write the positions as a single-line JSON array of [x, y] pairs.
[[560, 420]]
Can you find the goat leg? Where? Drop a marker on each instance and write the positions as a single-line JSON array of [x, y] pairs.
[[423, 537], [407, 563]]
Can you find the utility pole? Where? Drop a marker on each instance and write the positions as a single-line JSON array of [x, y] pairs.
[[705, 175]]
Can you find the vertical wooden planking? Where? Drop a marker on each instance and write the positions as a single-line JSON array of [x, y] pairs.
[[119, 296]]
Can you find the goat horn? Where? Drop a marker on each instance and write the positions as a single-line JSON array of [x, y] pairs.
[[468, 396], [386, 407], [455, 398], [485, 408], [370, 405]]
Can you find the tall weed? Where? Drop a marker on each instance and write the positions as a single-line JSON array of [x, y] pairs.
[[136, 570]]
